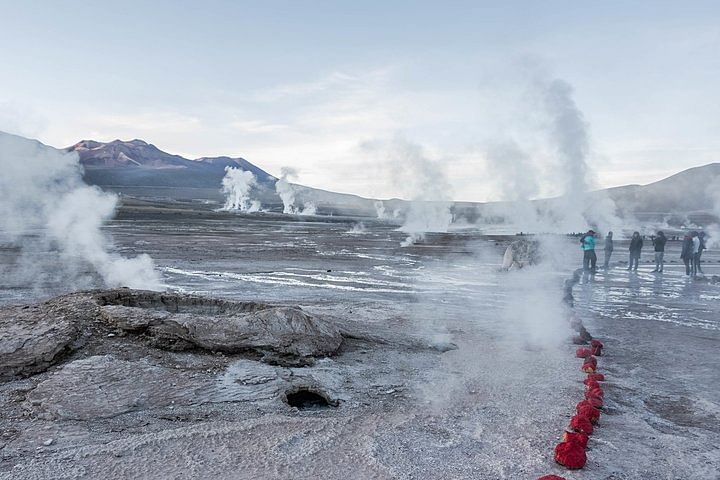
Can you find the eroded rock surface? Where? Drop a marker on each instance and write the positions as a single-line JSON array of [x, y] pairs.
[[184, 321], [33, 337], [103, 386]]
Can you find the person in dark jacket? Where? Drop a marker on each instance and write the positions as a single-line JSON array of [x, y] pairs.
[[659, 244], [609, 247], [687, 252], [703, 247], [636, 244]]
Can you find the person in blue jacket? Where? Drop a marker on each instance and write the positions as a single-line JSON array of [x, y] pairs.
[[587, 243]]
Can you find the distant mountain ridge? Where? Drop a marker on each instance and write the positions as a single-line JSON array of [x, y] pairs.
[[127, 165], [138, 163]]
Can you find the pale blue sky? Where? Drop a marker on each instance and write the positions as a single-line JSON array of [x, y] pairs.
[[303, 84]]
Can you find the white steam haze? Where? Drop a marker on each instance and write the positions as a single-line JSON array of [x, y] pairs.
[[237, 184], [568, 132], [713, 230], [288, 194], [517, 177], [420, 179], [45, 206], [382, 213], [519, 171]]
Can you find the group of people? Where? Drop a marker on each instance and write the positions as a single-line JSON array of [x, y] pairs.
[[692, 247]]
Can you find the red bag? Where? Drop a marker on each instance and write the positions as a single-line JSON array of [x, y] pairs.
[[588, 368], [591, 360], [594, 392], [589, 412], [581, 404], [596, 343], [583, 352], [595, 402], [570, 455], [590, 383], [577, 437], [581, 424], [551, 477], [598, 377]]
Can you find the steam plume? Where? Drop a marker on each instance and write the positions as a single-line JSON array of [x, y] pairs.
[[517, 177], [44, 204], [287, 193], [569, 135], [423, 181], [237, 185]]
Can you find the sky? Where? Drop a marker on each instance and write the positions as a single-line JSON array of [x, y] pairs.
[[309, 84]]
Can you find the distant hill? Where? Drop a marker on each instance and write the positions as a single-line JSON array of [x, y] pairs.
[[685, 192], [136, 163]]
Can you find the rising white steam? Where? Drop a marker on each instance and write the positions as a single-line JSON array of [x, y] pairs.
[[713, 230], [288, 194], [517, 179], [423, 181], [382, 213], [286, 191], [308, 208], [380, 210], [237, 184], [519, 175], [45, 204], [568, 133]]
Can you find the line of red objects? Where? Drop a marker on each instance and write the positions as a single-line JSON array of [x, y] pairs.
[[570, 452]]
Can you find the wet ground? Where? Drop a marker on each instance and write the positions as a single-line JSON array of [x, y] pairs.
[[663, 338], [410, 404]]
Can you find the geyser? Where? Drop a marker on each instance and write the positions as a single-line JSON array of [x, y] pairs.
[[423, 181], [237, 185], [287, 193], [45, 206]]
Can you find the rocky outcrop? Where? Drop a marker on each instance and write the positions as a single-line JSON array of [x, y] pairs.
[[33, 337], [180, 322]]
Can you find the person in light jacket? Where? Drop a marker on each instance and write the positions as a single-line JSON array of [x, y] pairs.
[[696, 253]]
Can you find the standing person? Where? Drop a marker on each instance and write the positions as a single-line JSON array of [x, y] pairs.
[[659, 244], [587, 242], [609, 247], [703, 247], [636, 244], [687, 252], [696, 253]]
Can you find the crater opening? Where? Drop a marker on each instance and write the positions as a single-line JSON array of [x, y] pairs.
[[308, 399], [178, 303]]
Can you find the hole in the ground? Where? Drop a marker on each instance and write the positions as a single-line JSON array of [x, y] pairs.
[[308, 399]]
